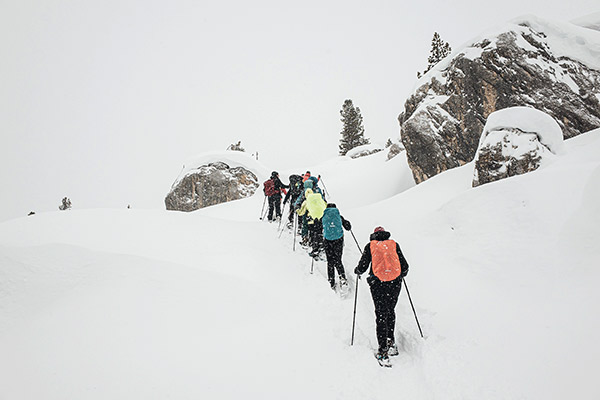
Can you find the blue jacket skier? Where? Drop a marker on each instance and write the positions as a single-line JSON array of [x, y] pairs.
[[333, 243]]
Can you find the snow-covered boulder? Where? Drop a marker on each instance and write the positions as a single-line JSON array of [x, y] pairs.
[[531, 62], [364, 150], [214, 178], [515, 141]]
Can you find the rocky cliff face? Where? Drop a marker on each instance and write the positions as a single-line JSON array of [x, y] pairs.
[[211, 184], [525, 65]]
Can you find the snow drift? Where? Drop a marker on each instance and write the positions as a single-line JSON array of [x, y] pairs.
[[128, 304]]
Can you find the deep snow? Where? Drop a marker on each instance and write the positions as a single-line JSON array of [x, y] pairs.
[[125, 304]]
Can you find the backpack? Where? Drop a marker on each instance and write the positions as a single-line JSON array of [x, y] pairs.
[[296, 185], [269, 188], [332, 224], [385, 262]]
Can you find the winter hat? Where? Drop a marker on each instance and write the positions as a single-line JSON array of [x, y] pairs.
[[274, 174], [379, 229]]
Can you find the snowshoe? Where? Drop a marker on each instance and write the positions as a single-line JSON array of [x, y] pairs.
[[344, 289], [383, 359], [317, 255]]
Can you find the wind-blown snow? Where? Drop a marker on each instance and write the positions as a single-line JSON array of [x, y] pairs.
[[124, 304]]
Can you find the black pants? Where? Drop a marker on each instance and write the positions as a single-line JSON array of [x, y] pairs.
[[333, 251], [385, 296], [274, 203], [315, 235]]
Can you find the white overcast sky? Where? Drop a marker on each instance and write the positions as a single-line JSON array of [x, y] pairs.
[[103, 101]]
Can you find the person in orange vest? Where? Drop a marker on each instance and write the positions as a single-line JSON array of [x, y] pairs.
[[388, 268]]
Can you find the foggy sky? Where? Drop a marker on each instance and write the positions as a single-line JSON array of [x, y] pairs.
[[103, 101]]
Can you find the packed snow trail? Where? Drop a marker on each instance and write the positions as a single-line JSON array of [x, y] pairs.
[[220, 312]]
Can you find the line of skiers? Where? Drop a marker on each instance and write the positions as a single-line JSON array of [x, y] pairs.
[[322, 228]]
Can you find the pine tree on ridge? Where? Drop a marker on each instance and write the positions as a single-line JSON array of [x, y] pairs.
[[353, 130]]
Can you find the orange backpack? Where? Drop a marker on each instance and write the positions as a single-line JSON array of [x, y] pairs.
[[386, 264]]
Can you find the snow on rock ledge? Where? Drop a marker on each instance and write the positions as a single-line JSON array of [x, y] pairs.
[[532, 62], [214, 178], [515, 141], [364, 150]]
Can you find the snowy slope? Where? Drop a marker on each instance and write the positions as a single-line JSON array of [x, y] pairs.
[[591, 21], [126, 304]]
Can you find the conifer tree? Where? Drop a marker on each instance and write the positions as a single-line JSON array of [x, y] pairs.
[[236, 147], [439, 50], [353, 131], [66, 204]]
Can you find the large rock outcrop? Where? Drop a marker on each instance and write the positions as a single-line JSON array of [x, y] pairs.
[[554, 68], [210, 184], [515, 141]]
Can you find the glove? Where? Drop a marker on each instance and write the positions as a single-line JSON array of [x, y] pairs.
[[347, 225], [357, 271]]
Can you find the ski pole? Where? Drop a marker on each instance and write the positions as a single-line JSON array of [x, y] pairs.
[[413, 307], [295, 231], [281, 217], [355, 291], [312, 264], [324, 187], [354, 316], [263, 209], [358, 245], [280, 232]]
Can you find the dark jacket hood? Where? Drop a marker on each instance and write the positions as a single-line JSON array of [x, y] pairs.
[[380, 236]]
